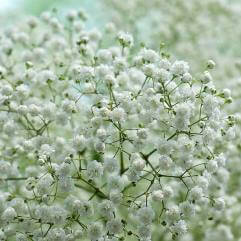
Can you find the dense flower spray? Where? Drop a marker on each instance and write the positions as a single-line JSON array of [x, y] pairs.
[[195, 31], [100, 142], [191, 30]]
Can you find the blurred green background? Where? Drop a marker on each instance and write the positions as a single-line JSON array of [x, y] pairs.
[[10, 10]]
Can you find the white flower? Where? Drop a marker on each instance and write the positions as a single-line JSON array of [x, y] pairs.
[[165, 162], [116, 196], [100, 146], [118, 114], [106, 209], [44, 184], [145, 215], [133, 175], [47, 150], [196, 193], [86, 209], [57, 214], [137, 76], [227, 93], [179, 68], [94, 169], [79, 143], [165, 147], [212, 166], [5, 168], [182, 118], [111, 165], [65, 184], [206, 77], [115, 182], [71, 15], [46, 76], [114, 226], [179, 227], [210, 103], [138, 164], [157, 195], [149, 55], [163, 75], [85, 73], [101, 133], [57, 234], [95, 231], [210, 64], [9, 214], [167, 191], [150, 70], [7, 90], [219, 204], [23, 91], [104, 55], [221, 160], [125, 39], [187, 78], [144, 232], [187, 209], [99, 140], [88, 88], [34, 110], [173, 214]]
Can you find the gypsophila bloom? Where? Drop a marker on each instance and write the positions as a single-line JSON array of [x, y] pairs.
[[179, 68], [95, 231], [111, 164], [179, 228], [126, 40], [9, 214], [157, 195], [114, 226], [145, 215], [104, 139], [94, 169]]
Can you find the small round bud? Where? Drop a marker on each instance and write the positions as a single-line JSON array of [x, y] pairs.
[[210, 64], [206, 77]]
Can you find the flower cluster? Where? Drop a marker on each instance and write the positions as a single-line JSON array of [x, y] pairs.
[[191, 30], [195, 31], [101, 142]]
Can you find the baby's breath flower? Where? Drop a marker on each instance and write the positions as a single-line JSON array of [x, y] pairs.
[[102, 138], [125, 39]]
